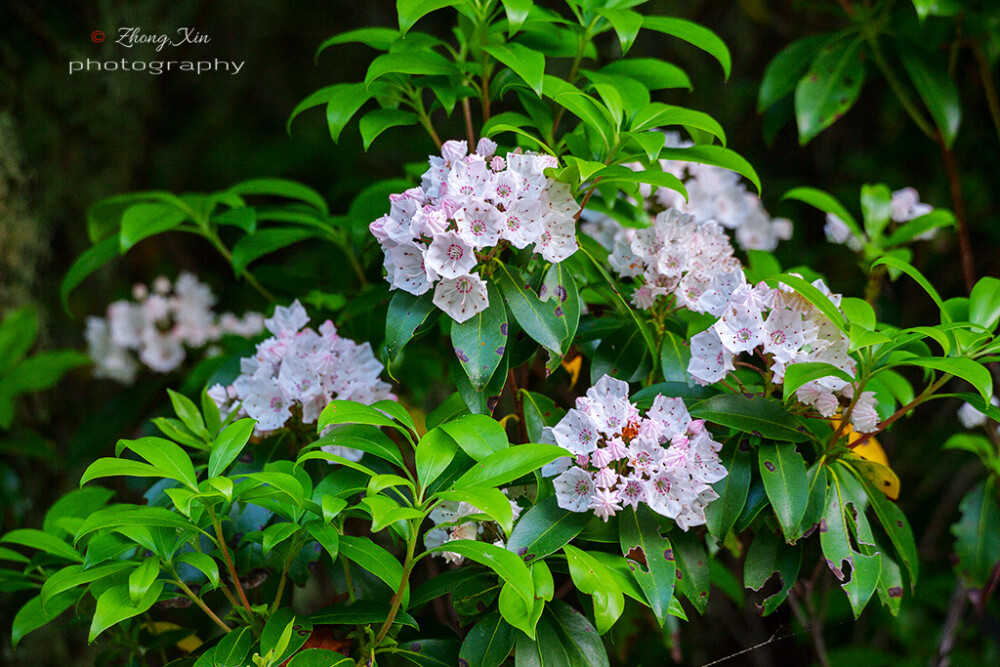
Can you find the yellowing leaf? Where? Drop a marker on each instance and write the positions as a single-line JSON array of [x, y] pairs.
[[870, 460], [573, 368], [188, 644]]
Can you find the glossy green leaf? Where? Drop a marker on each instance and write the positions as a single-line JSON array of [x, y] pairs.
[[639, 530], [376, 122], [434, 453], [565, 638], [277, 533], [284, 632], [716, 156], [491, 502], [721, 514], [537, 318], [664, 115], [526, 63], [41, 371], [32, 616], [626, 24], [342, 101], [928, 222], [798, 374], [350, 412], [205, 564], [265, 241], [652, 73], [784, 474], [515, 611], [423, 62], [377, 38], [674, 359], [509, 567], [480, 341], [592, 578], [622, 355], [937, 90], [693, 578], [786, 68], [971, 371], [72, 576], [489, 642], [147, 219], [539, 411], [319, 657], [830, 87], [411, 11], [234, 647], [984, 303], [170, 459], [86, 264], [372, 558], [17, 334], [896, 526], [826, 203], [228, 445], [407, 313], [115, 605], [813, 295], [360, 612], [768, 555], [478, 435], [559, 290], [756, 415], [694, 34], [509, 464], [977, 542], [544, 529], [36, 539]]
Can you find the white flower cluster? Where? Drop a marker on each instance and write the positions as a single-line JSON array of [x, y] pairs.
[[158, 327], [299, 367], [452, 521], [789, 330], [469, 202], [714, 194], [905, 206], [677, 255], [665, 459]]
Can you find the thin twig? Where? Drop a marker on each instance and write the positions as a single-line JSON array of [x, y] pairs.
[[951, 625], [958, 203], [470, 134]]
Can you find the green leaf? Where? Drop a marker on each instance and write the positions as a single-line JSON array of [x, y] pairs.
[[480, 341], [84, 265], [204, 564], [170, 459], [800, 373], [662, 115], [407, 313], [282, 187], [592, 113], [623, 355], [544, 529], [639, 529], [147, 219], [17, 335], [342, 101], [786, 68], [319, 657], [491, 502], [188, 413], [784, 474], [936, 88], [36, 539], [477, 435], [826, 203], [411, 11], [41, 371], [652, 73], [377, 38], [77, 504], [768, 555], [977, 542], [907, 232], [876, 205], [434, 453], [277, 533], [814, 296], [911, 271], [142, 578], [830, 87], [360, 612], [836, 542], [72, 576], [115, 605], [373, 558], [326, 535], [693, 34], [125, 516], [265, 241], [539, 411], [756, 415], [674, 359], [526, 63], [376, 122], [509, 567], [228, 445], [626, 24], [109, 467], [410, 62], [984, 303], [537, 318], [32, 616], [559, 290], [716, 156], [350, 412], [284, 633], [622, 174], [489, 642], [971, 371], [565, 638], [721, 514], [693, 577], [516, 612], [895, 525], [509, 464], [591, 577], [234, 647]]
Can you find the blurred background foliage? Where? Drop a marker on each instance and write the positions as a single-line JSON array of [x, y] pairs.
[[69, 141]]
